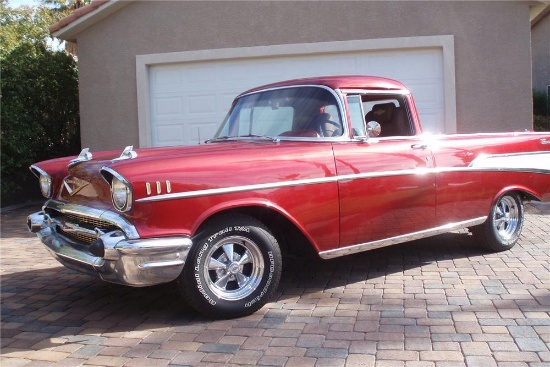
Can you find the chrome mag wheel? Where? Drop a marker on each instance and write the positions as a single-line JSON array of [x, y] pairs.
[[503, 227], [506, 216], [234, 268]]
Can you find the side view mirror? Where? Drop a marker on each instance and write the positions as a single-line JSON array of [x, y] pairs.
[[373, 129]]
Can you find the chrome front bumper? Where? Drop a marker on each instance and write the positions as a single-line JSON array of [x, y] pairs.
[[114, 257]]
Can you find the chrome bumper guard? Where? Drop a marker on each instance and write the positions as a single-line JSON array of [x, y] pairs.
[[114, 257]]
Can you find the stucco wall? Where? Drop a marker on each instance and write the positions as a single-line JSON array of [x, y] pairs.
[[540, 43], [492, 50]]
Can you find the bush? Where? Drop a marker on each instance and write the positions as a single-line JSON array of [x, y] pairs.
[[540, 103], [541, 116], [39, 113]]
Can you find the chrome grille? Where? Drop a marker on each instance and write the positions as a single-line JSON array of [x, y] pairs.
[[79, 225], [87, 221], [78, 237]]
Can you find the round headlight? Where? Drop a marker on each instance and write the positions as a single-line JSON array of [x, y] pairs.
[[121, 195], [45, 185]]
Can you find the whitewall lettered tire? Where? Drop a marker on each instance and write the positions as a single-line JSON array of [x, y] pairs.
[[233, 268]]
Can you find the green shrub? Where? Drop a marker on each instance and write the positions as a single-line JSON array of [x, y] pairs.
[[541, 116], [541, 123], [540, 103], [39, 113]]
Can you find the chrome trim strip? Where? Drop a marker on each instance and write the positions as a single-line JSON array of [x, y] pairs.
[[402, 92], [226, 190], [97, 214], [353, 249], [321, 180]]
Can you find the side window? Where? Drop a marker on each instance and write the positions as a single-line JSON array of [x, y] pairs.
[[390, 112], [356, 113]]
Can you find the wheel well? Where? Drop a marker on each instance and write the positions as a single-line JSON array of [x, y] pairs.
[[524, 194], [291, 240]]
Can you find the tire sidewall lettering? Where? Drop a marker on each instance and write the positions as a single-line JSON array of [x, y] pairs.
[[265, 290], [200, 261]]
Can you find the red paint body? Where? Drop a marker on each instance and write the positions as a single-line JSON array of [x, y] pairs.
[[374, 189]]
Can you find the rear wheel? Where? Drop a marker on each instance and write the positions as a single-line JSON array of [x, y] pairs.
[[502, 229], [233, 268]]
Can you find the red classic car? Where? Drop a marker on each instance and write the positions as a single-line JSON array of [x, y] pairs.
[[338, 165]]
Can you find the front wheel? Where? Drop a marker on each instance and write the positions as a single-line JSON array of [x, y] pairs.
[[233, 268], [502, 229]]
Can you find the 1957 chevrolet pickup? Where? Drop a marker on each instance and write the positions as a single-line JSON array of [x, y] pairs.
[[338, 165]]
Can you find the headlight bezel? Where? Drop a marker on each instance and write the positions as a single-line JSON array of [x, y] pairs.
[[121, 189], [45, 182]]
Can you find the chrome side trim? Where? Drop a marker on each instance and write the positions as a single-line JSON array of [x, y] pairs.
[[98, 214], [226, 190], [321, 180], [353, 249]]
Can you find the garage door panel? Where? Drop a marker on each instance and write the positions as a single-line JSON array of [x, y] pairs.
[[166, 79], [202, 93], [199, 105], [169, 135]]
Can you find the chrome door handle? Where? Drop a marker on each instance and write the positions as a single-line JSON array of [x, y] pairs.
[[419, 146]]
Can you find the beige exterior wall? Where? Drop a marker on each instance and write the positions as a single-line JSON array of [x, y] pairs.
[[492, 51], [540, 44]]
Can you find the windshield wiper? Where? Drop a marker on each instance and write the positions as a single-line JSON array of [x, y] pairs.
[[267, 137], [242, 137]]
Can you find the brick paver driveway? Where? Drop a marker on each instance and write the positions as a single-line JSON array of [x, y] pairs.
[[435, 302]]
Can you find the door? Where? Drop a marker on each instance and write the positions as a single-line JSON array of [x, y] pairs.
[[386, 185]]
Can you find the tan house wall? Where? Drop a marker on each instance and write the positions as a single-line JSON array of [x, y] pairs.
[[492, 51], [540, 44]]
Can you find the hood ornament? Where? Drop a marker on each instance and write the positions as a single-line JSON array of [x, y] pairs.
[[127, 153], [85, 155]]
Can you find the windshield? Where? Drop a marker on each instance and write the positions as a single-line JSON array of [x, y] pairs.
[[287, 112]]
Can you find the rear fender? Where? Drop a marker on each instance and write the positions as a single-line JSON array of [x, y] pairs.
[[527, 193]]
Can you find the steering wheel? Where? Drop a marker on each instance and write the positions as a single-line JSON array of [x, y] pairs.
[[329, 129]]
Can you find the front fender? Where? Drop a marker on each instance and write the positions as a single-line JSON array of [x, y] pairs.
[[251, 203]]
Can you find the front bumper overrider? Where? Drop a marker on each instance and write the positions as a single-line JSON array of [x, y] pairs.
[[113, 256]]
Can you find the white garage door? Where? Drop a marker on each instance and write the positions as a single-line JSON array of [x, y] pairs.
[[189, 100]]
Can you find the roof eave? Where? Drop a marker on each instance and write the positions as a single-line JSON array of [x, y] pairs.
[[539, 11], [70, 31]]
